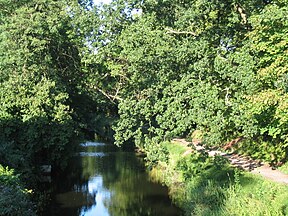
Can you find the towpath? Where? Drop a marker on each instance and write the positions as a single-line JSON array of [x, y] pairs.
[[236, 160]]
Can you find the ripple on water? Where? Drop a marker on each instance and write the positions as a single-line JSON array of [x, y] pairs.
[[86, 144]]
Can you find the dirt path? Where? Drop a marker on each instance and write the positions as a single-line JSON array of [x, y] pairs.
[[239, 161]]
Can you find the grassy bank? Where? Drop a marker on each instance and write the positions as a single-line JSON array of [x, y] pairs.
[[202, 185], [284, 168], [14, 199]]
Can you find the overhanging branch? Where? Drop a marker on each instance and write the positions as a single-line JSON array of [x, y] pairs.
[[242, 13], [112, 98]]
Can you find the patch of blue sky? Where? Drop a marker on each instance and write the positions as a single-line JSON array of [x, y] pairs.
[[98, 2]]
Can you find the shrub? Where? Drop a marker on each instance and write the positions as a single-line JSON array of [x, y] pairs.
[[14, 198]]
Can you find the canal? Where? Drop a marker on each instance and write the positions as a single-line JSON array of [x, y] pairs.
[[106, 181]]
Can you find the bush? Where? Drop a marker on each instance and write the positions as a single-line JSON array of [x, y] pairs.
[[156, 153], [35, 122], [14, 198]]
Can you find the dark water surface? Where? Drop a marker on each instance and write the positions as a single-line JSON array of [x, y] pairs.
[[105, 181]]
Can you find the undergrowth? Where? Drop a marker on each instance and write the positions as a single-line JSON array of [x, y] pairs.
[[14, 199], [203, 185]]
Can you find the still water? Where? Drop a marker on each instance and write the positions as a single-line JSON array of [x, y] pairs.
[[105, 181]]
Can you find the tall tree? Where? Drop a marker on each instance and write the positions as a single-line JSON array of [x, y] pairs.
[[265, 108], [39, 74], [182, 65]]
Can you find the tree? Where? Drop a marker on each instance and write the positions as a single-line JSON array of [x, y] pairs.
[[180, 66], [266, 105], [39, 75]]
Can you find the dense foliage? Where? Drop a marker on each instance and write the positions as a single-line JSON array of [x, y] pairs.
[[13, 197], [217, 66], [37, 70], [153, 69], [46, 91]]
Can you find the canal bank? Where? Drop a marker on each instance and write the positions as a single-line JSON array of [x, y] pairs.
[[203, 185]]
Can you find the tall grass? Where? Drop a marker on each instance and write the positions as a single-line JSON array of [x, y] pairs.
[[284, 168], [216, 188]]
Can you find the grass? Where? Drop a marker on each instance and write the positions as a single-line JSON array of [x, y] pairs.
[[284, 168], [175, 149], [255, 196], [213, 187]]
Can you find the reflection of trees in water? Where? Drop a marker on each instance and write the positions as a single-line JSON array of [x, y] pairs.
[[123, 175], [119, 174], [104, 166], [132, 193], [65, 180], [73, 199], [71, 203], [91, 201]]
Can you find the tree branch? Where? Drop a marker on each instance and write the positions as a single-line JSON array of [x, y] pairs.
[[242, 13], [112, 98]]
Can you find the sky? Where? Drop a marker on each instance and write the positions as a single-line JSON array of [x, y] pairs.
[[108, 1], [103, 1]]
